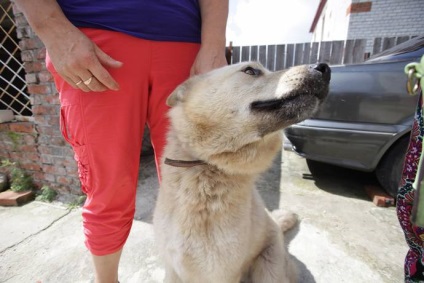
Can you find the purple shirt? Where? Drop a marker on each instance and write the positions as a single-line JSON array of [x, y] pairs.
[[162, 20]]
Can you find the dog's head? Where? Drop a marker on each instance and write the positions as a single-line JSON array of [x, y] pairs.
[[239, 110]]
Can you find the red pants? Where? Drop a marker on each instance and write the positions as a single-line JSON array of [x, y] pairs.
[[105, 129]]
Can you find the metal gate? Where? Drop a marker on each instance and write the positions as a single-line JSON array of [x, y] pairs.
[[13, 94]]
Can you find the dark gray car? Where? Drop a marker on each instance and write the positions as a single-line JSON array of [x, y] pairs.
[[366, 120]]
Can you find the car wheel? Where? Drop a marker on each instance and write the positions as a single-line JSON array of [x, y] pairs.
[[389, 170]]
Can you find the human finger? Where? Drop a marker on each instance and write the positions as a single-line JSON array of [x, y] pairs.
[[100, 72], [75, 82], [93, 84]]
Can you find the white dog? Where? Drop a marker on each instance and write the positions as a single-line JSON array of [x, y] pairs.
[[210, 223]]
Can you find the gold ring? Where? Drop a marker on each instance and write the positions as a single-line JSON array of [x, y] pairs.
[[88, 81], [78, 83]]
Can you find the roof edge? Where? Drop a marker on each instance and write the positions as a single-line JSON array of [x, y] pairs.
[[317, 15]]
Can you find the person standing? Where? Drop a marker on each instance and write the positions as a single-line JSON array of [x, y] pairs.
[[114, 64]]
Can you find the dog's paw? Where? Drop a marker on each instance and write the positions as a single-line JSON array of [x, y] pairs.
[[285, 219]]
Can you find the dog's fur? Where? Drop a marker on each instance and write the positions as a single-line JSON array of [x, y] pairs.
[[210, 223]]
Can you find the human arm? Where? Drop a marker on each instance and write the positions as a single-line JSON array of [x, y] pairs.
[[212, 50], [74, 56]]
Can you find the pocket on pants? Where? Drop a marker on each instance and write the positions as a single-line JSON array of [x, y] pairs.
[[72, 132], [81, 157]]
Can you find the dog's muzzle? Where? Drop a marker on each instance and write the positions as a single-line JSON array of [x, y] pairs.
[[320, 90]]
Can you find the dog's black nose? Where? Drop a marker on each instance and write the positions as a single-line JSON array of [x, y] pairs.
[[324, 69]]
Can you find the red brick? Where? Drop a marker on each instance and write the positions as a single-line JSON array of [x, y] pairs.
[[72, 171], [49, 178], [34, 67], [28, 149], [65, 189], [30, 166], [65, 180], [32, 156], [60, 141], [379, 197], [11, 198], [31, 43], [4, 127], [31, 78], [29, 139], [48, 131], [48, 98], [22, 127], [45, 76], [39, 89], [27, 56], [38, 176], [41, 54], [4, 154], [47, 109], [57, 140], [54, 169], [44, 149], [47, 120], [46, 159]]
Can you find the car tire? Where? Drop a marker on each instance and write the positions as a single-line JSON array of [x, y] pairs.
[[389, 170]]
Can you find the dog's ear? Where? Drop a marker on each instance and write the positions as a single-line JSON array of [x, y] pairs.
[[177, 95]]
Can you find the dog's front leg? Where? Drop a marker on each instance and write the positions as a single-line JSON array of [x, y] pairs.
[[273, 265]]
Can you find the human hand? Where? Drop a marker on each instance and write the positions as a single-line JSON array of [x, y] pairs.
[[80, 62], [207, 59]]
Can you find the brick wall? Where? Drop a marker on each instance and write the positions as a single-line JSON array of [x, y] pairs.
[[18, 143], [38, 145], [386, 18]]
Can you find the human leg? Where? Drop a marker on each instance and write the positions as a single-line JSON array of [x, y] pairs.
[[171, 63], [105, 131], [106, 267]]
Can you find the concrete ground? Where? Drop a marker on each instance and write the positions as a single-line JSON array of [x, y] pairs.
[[342, 236]]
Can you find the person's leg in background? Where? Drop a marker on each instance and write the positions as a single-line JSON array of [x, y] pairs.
[[105, 130], [171, 64]]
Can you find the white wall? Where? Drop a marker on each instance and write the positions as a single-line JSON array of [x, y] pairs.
[[333, 23], [257, 22]]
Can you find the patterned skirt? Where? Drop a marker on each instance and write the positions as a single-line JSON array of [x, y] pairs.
[[414, 235]]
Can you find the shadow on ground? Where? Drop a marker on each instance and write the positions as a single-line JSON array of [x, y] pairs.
[[340, 181], [268, 184]]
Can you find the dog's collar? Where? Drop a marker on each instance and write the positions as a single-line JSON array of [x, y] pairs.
[[184, 163]]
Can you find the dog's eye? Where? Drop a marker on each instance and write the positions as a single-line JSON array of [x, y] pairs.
[[252, 71]]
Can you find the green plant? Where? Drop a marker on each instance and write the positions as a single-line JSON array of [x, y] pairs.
[[19, 180], [15, 138], [78, 202], [7, 163], [47, 194]]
